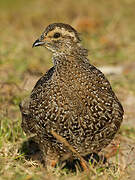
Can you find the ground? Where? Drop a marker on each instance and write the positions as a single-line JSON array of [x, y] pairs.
[[107, 30]]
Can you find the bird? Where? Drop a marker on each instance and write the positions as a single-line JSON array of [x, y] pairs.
[[72, 104]]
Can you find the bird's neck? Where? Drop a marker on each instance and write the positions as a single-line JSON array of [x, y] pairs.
[[77, 55], [69, 62]]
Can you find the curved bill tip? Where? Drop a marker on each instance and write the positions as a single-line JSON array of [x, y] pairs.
[[37, 43]]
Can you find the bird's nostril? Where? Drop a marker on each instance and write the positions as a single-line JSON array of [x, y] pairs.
[[42, 37]]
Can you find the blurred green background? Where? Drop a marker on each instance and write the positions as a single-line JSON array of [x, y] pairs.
[[107, 29]]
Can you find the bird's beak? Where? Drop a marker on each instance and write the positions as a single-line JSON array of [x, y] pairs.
[[38, 42]]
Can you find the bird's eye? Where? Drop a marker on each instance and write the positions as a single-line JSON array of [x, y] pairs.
[[56, 35]]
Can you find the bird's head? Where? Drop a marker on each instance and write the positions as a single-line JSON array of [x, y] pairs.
[[59, 38]]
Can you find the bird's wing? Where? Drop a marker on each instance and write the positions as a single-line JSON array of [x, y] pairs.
[[44, 78]]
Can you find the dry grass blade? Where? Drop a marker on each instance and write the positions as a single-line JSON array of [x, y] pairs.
[[65, 142]]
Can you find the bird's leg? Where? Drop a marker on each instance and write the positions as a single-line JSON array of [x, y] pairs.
[[84, 165], [114, 150], [50, 161]]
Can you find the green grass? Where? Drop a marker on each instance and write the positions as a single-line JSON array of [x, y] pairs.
[[128, 132], [109, 36]]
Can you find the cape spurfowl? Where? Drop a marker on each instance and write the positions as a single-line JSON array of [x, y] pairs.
[[73, 100]]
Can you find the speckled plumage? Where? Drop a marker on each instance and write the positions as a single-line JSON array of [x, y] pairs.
[[73, 98]]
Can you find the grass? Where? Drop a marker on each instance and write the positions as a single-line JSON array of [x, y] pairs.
[[107, 30]]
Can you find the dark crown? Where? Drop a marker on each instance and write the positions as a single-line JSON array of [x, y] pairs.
[[61, 25]]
